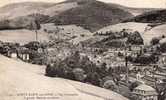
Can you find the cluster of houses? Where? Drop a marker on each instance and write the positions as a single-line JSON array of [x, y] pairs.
[[16, 51], [140, 73], [146, 74], [145, 92]]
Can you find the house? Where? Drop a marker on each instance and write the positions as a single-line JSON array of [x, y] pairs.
[[24, 53], [145, 92], [136, 48]]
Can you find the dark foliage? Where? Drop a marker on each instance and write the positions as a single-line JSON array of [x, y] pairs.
[[155, 41], [115, 43], [162, 47], [133, 85], [34, 45], [92, 16], [161, 90], [39, 17], [142, 59], [135, 39], [31, 22], [73, 67], [93, 78], [158, 16]]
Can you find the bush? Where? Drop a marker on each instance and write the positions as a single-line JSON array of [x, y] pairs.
[[151, 59], [162, 47], [133, 85], [110, 85], [32, 45], [93, 78], [79, 74], [72, 63], [154, 41], [135, 38]]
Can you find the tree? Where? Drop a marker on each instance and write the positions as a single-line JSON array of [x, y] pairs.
[[102, 70], [135, 38], [124, 33], [161, 90], [79, 74], [75, 60], [93, 78], [163, 47], [75, 67], [109, 84], [154, 41], [34, 45], [35, 25], [49, 71], [146, 59], [116, 79]]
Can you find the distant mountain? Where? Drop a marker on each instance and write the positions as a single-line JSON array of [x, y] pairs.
[[14, 10], [134, 11], [129, 26], [22, 9], [91, 15], [21, 15], [156, 16], [156, 32]]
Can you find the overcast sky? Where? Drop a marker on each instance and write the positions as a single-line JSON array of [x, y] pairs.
[[130, 3]]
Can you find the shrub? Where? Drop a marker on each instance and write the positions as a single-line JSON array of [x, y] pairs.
[[93, 78], [133, 85], [110, 85], [151, 59], [154, 41], [79, 74], [135, 38], [162, 47], [34, 45]]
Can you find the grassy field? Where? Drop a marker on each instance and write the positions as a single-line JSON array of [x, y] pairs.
[[20, 77], [21, 36]]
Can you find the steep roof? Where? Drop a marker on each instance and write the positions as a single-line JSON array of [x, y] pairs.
[[145, 88]]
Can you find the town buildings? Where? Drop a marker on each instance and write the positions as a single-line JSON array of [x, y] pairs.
[[145, 92]]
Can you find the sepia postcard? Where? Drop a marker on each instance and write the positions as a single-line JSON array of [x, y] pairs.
[[82, 49]]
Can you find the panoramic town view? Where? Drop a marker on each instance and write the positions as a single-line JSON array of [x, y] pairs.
[[82, 50]]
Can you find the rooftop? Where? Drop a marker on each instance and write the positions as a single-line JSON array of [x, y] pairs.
[[145, 88]]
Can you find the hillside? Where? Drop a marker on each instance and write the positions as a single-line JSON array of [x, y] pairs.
[[70, 33], [21, 15], [156, 16], [134, 11], [22, 36], [157, 31], [91, 15], [14, 10], [129, 26], [146, 32], [22, 78], [59, 8]]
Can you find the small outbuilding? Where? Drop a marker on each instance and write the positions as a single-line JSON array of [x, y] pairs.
[[24, 53]]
